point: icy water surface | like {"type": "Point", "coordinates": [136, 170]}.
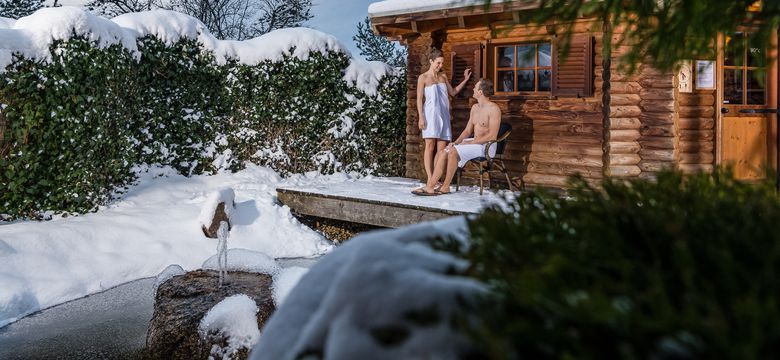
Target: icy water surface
{"type": "Point", "coordinates": [107, 325]}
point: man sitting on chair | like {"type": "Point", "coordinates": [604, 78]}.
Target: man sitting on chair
{"type": "Point", "coordinates": [484, 122]}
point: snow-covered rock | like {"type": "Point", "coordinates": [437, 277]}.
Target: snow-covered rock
{"type": "Point", "coordinates": [372, 286]}
{"type": "Point", "coordinates": [167, 273]}
{"type": "Point", "coordinates": [218, 207]}
{"type": "Point", "coordinates": [234, 320]}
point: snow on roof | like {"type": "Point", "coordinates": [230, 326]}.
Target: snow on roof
{"type": "Point", "coordinates": [32, 35]}
{"type": "Point", "coordinates": [398, 7]}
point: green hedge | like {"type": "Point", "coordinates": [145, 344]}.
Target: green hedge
{"type": "Point", "coordinates": [77, 125]}
{"type": "Point", "coordinates": [681, 268]}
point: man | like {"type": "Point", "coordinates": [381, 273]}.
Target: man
{"type": "Point", "coordinates": [484, 121]}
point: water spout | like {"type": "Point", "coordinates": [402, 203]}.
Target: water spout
{"type": "Point", "coordinates": [222, 235]}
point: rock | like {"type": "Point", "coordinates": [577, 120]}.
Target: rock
{"type": "Point", "coordinates": [219, 216]}
{"type": "Point", "coordinates": [183, 301]}
{"type": "Point", "coordinates": [218, 207]}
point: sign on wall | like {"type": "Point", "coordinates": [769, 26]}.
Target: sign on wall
{"type": "Point", "coordinates": [705, 74]}
{"type": "Point", "coordinates": [685, 77]}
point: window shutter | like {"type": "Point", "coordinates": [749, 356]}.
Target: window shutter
{"type": "Point", "coordinates": [573, 76]}
{"type": "Point", "coordinates": [466, 56]}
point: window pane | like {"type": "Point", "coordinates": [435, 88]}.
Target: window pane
{"type": "Point", "coordinates": [506, 56]}
{"type": "Point", "coordinates": [545, 55]}
{"type": "Point", "coordinates": [545, 76]}
{"type": "Point", "coordinates": [506, 81]}
{"type": "Point", "coordinates": [525, 80]}
{"type": "Point", "coordinates": [756, 56]}
{"type": "Point", "coordinates": [526, 56]}
{"type": "Point", "coordinates": [735, 49]}
{"type": "Point", "coordinates": [755, 87]}
{"type": "Point", "coordinates": [732, 83]}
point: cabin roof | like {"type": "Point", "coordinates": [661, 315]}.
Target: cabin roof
{"type": "Point", "coordinates": [400, 18]}
{"type": "Point", "coordinates": [400, 7]}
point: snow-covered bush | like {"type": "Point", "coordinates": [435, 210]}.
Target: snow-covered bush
{"type": "Point", "coordinates": [86, 100]}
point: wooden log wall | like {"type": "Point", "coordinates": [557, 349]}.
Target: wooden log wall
{"type": "Point", "coordinates": [651, 125]}
{"type": "Point", "coordinates": [697, 131]}
{"type": "Point", "coordinates": [552, 139]}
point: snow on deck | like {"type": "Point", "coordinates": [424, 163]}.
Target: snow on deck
{"type": "Point", "coordinates": [399, 191]}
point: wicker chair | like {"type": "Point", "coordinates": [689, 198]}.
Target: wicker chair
{"type": "Point", "coordinates": [486, 164]}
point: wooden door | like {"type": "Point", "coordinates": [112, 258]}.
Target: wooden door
{"type": "Point", "coordinates": [748, 97]}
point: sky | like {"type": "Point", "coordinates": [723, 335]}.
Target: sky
{"type": "Point", "coordinates": [335, 17]}
{"type": "Point", "coordinates": [340, 18]}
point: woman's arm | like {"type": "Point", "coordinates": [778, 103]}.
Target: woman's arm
{"type": "Point", "coordinates": [457, 89]}
{"type": "Point", "coordinates": [420, 94]}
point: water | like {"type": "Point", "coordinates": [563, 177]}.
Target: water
{"type": "Point", "coordinates": [107, 325]}
{"type": "Point", "coordinates": [222, 235]}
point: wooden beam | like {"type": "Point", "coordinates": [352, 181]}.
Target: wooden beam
{"type": "Point", "coordinates": [362, 211]}
{"type": "Point", "coordinates": [461, 22]}
{"type": "Point", "coordinates": [414, 26]}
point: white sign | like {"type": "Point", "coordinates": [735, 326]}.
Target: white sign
{"type": "Point", "coordinates": [705, 74]}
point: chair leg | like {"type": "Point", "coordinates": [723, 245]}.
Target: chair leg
{"type": "Point", "coordinates": [508, 181]}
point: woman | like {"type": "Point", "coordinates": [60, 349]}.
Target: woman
{"type": "Point", "coordinates": [434, 116]}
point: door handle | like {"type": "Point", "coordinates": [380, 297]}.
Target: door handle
{"type": "Point", "coordinates": [724, 110]}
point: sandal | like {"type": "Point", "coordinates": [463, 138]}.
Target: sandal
{"type": "Point", "coordinates": [422, 192]}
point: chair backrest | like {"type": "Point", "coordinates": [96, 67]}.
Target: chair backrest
{"type": "Point", "coordinates": [503, 133]}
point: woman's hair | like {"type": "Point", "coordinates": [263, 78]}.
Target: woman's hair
{"type": "Point", "coordinates": [434, 54]}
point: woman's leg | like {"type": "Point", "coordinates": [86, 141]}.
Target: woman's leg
{"type": "Point", "coordinates": [430, 144]}
{"type": "Point", "coordinates": [440, 146]}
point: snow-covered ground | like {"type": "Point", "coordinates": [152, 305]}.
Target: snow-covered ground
{"type": "Point", "coordinates": [154, 225]}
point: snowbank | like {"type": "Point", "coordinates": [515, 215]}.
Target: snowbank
{"type": "Point", "coordinates": [285, 280]}
{"type": "Point", "coordinates": [398, 7]}
{"type": "Point", "coordinates": [234, 318]}
{"type": "Point", "coordinates": [365, 75]}
{"type": "Point", "coordinates": [375, 281]}
{"type": "Point", "coordinates": [32, 35]}
{"type": "Point", "coordinates": [6, 23]}
{"type": "Point", "coordinates": [155, 224]}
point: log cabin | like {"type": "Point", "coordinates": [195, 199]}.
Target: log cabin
{"type": "Point", "coordinates": [565, 120]}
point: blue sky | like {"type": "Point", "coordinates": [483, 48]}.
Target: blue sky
{"type": "Point", "coordinates": [340, 18]}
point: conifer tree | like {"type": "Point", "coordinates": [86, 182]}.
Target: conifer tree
{"type": "Point", "coordinates": [377, 48]}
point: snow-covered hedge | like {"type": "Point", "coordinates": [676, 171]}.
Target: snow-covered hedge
{"type": "Point", "coordinates": [85, 99]}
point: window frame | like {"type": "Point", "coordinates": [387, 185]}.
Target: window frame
{"type": "Point", "coordinates": [743, 69]}
{"type": "Point", "coordinates": [536, 68]}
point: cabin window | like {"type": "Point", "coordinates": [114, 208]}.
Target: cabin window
{"type": "Point", "coordinates": [744, 72]}
{"type": "Point", "coordinates": [522, 68]}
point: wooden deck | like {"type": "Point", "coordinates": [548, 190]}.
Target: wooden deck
{"type": "Point", "coordinates": [385, 202]}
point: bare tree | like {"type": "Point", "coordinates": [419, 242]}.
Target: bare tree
{"type": "Point", "coordinates": [226, 19]}
{"type": "Point", "coordinates": [19, 8]}
{"type": "Point", "coordinates": [278, 14]}
{"type": "Point", "coordinates": [111, 8]}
